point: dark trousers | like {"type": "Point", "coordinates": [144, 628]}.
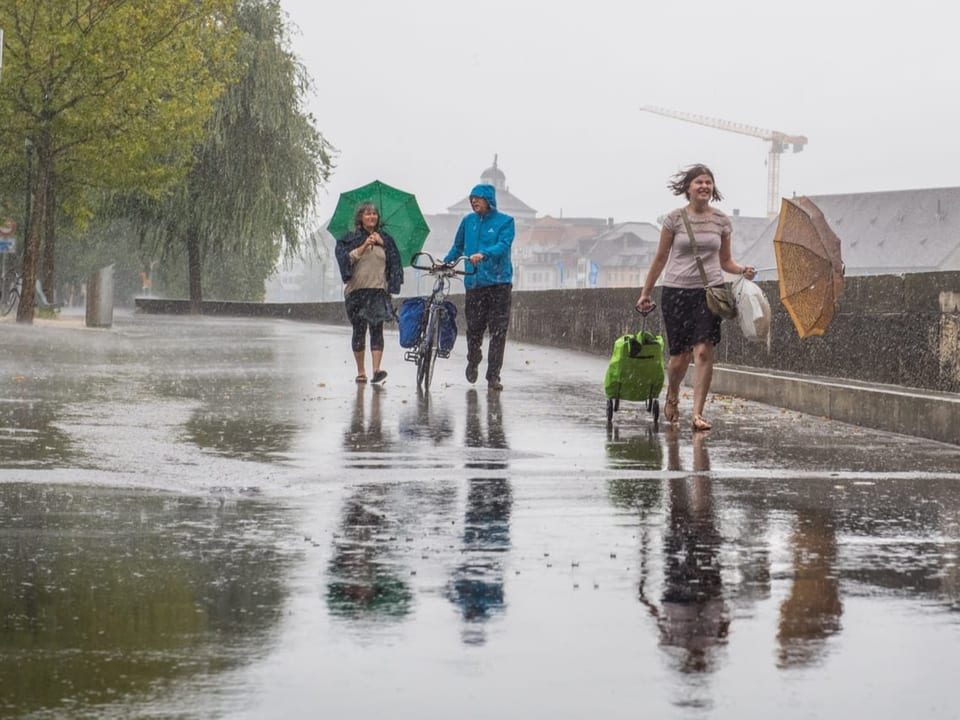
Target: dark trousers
{"type": "Point", "coordinates": [488, 308]}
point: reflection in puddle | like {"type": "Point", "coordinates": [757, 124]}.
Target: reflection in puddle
{"type": "Point", "coordinates": [428, 421]}
{"type": "Point", "coordinates": [32, 412]}
{"type": "Point", "coordinates": [477, 586]}
{"type": "Point", "coordinates": [105, 596]}
{"type": "Point", "coordinates": [692, 614]}
{"type": "Point", "coordinates": [811, 613]}
{"type": "Point", "coordinates": [364, 574]}
{"type": "Point", "coordinates": [641, 451]}
{"type": "Point", "coordinates": [365, 433]}
{"type": "Point", "coordinates": [247, 437]}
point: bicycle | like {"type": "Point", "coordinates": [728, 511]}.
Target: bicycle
{"type": "Point", "coordinates": [10, 288]}
{"type": "Point", "coordinates": [427, 348]}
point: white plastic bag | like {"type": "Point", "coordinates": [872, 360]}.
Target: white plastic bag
{"type": "Point", "coordinates": [753, 309]}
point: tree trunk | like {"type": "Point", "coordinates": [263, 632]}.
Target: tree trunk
{"type": "Point", "coordinates": [49, 243]}
{"type": "Point", "coordinates": [194, 269]}
{"type": "Point", "coordinates": [31, 252]}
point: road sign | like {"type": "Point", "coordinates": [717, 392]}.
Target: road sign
{"type": "Point", "coordinates": [8, 244]}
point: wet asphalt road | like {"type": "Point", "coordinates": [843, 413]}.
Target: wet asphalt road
{"type": "Point", "coordinates": [207, 518]}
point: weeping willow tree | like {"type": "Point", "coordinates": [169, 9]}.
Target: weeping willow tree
{"type": "Point", "coordinates": [252, 188]}
{"type": "Point", "coordinates": [101, 95]}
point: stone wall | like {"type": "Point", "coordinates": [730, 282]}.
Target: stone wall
{"type": "Point", "coordinates": [893, 329]}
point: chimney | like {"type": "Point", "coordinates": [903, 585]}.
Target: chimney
{"type": "Point", "coordinates": [609, 222]}
{"type": "Point", "coordinates": [736, 212]}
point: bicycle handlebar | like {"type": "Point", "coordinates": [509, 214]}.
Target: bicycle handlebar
{"type": "Point", "coordinates": [445, 269]}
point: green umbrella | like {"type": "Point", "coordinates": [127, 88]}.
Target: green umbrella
{"type": "Point", "coordinates": [400, 216]}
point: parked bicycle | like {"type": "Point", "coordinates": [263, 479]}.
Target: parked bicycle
{"type": "Point", "coordinates": [10, 286]}
{"type": "Point", "coordinates": [436, 314]}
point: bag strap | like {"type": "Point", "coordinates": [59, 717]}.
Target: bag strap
{"type": "Point", "coordinates": [693, 244]}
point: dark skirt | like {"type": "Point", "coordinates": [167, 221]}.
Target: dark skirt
{"type": "Point", "coordinates": [371, 306]}
{"type": "Point", "coordinates": [687, 319]}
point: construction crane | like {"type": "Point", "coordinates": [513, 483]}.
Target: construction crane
{"type": "Point", "coordinates": [779, 141]}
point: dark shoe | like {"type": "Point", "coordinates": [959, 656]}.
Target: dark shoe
{"type": "Point", "coordinates": [471, 372]}
{"type": "Point", "coordinates": [494, 385]}
{"type": "Point", "coordinates": [379, 376]}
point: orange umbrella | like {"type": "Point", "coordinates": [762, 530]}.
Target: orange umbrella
{"type": "Point", "coordinates": [808, 265]}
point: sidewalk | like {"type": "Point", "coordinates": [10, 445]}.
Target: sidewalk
{"type": "Point", "coordinates": [894, 408]}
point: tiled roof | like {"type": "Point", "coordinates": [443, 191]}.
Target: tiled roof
{"type": "Point", "coordinates": [884, 232]}
{"type": "Point", "coordinates": [746, 231]}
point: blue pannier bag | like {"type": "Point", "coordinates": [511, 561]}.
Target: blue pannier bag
{"type": "Point", "coordinates": [411, 316]}
{"type": "Point", "coordinates": [448, 327]}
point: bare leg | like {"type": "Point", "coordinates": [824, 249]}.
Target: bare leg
{"type": "Point", "coordinates": [703, 366]}
{"type": "Point", "coordinates": [377, 356]}
{"type": "Point", "coordinates": [359, 358]}
{"type": "Point", "coordinates": [676, 370]}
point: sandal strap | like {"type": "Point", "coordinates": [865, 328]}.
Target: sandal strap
{"type": "Point", "coordinates": [699, 423]}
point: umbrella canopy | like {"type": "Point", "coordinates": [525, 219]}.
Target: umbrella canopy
{"type": "Point", "coordinates": [809, 266]}
{"type": "Point", "coordinates": [400, 216]}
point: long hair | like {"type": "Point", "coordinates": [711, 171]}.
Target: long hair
{"type": "Point", "coordinates": [680, 181]}
{"type": "Point", "coordinates": [358, 215]}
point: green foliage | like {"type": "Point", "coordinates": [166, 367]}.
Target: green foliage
{"type": "Point", "coordinates": [104, 94]}
{"type": "Point", "coordinates": [188, 113]}
{"type": "Point", "coordinates": [114, 94]}
{"type": "Point", "coordinates": [84, 251]}
{"type": "Point", "coordinates": [251, 190]}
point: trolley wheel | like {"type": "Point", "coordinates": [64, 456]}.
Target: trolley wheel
{"type": "Point", "coordinates": [609, 411]}
{"type": "Point", "coordinates": [656, 411]}
{"type": "Point", "coordinates": [616, 403]}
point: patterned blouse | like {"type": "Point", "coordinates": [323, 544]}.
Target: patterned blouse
{"type": "Point", "coordinates": [681, 270]}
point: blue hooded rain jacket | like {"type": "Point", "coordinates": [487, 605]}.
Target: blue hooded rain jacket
{"type": "Point", "coordinates": [490, 234]}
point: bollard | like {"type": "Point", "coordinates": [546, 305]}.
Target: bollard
{"type": "Point", "coordinates": [99, 311]}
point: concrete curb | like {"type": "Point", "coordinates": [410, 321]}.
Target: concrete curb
{"type": "Point", "coordinates": [907, 411]}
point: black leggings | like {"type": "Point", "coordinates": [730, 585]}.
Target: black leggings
{"type": "Point", "coordinates": [359, 304]}
{"type": "Point", "coordinates": [358, 341]}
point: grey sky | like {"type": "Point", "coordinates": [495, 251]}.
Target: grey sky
{"type": "Point", "coordinates": [422, 94]}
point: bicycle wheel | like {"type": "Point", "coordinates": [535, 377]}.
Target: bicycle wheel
{"type": "Point", "coordinates": [434, 349]}
{"type": "Point", "coordinates": [428, 351]}
{"type": "Point", "coordinates": [425, 354]}
{"type": "Point", "coordinates": [11, 298]}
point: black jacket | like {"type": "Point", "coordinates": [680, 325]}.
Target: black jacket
{"type": "Point", "coordinates": [355, 239]}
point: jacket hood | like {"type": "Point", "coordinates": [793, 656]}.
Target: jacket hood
{"type": "Point", "coordinates": [487, 192]}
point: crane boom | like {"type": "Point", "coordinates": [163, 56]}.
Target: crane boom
{"type": "Point", "coordinates": [778, 142]}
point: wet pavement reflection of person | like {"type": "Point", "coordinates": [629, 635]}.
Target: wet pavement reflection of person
{"type": "Point", "coordinates": [364, 579]}
{"type": "Point", "coordinates": [477, 583]}
{"type": "Point", "coordinates": [811, 613]}
{"type": "Point", "coordinates": [692, 617]}
{"type": "Point", "coordinates": [427, 421]}
{"type": "Point", "coordinates": [365, 432]}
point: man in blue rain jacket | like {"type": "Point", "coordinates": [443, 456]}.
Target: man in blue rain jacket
{"type": "Point", "coordinates": [486, 237]}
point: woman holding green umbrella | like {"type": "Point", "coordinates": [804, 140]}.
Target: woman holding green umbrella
{"type": "Point", "coordinates": [371, 270]}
